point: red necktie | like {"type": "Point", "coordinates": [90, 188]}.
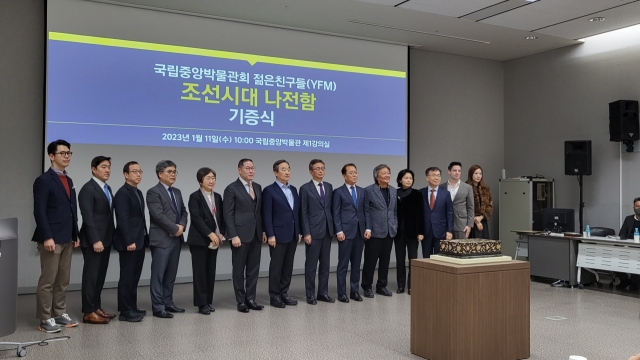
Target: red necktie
{"type": "Point", "coordinates": [432, 202]}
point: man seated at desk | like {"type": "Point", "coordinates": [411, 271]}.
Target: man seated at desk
{"type": "Point", "coordinates": [629, 226]}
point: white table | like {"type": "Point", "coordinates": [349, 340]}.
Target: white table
{"type": "Point", "coordinates": [602, 253]}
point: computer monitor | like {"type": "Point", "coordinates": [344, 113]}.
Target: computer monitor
{"type": "Point", "coordinates": [558, 220]}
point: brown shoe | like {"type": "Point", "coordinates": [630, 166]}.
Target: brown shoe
{"type": "Point", "coordinates": [101, 312]}
{"type": "Point", "coordinates": [94, 318]}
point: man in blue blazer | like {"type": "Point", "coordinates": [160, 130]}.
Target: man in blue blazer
{"type": "Point", "coordinates": [168, 219]}
{"type": "Point", "coordinates": [55, 210]}
{"type": "Point", "coordinates": [349, 225]}
{"type": "Point", "coordinates": [317, 228]}
{"type": "Point", "coordinates": [280, 217]}
{"type": "Point", "coordinates": [438, 213]}
{"type": "Point", "coordinates": [130, 239]}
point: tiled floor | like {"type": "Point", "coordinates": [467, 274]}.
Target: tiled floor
{"type": "Point", "coordinates": [599, 325]}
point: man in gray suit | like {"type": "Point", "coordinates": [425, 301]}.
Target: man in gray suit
{"type": "Point", "coordinates": [317, 228]}
{"type": "Point", "coordinates": [242, 203]}
{"type": "Point", "coordinates": [380, 212]}
{"type": "Point", "coordinates": [168, 218]}
{"type": "Point", "coordinates": [462, 197]}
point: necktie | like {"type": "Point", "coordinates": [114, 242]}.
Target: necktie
{"type": "Point", "coordinates": [353, 196]}
{"type": "Point", "coordinates": [106, 192]}
{"type": "Point", "coordinates": [432, 201]}
{"type": "Point", "coordinates": [175, 205]}
{"type": "Point", "coordinates": [251, 193]}
{"type": "Point", "coordinates": [321, 193]}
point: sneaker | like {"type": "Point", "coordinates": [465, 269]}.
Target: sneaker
{"type": "Point", "coordinates": [65, 321]}
{"type": "Point", "coordinates": [49, 326]}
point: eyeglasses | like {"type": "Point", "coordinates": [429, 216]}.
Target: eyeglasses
{"type": "Point", "coordinates": [136, 172]}
{"type": "Point", "coordinates": [435, 175]}
{"type": "Point", "coordinates": [209, 178]}
{"type": "Point", "coordinates": [171, 172]}
{"type": "Point", "coordinates": [252, 168]}
{"type": "Point", "coordinates": [64, 153]}
{"type": "Point", "coordinates": [318, 169]}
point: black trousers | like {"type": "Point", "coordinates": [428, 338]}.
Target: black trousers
{"type": "Point", "coordinates": [130, 269]}
{"type": "Point", "coordinates": [319, 250]}
{"type": "Point", "coordinates": [349, 251]}
{"type": "Point", "coordinates": [405, 246]}
{"type": "Point", "coordinates": [430, 245]}
{"type": "Point", "coordinates": [94, 271]}
{"type": "Point", "coordinates": [246, 256]}
{"type": "Point", "coordinates": [281, 268]}
{"type": "Point", "coordinates": [203, 265]}
{"type": "Point", "coordinates": [376, 251]}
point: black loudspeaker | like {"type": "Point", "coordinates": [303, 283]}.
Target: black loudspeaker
{"type": "Point", "coordinates": [577, 157]}
{"type": "Point", "coordinates": [623, 121]}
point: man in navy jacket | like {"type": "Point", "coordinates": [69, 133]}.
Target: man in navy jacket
{"type": "Point", "coordinates": [438, 213]}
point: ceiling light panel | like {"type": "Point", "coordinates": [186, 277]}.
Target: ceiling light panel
{"type": "Point", "coordinates": [454, 8]}
{"type": "Point", "coordinates": [616, 18]}
{"type": "Point", "coordinates": [382, 2]}
{"type": "Point", "coordinates": [542, 14]}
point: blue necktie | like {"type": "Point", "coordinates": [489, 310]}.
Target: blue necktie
{"type": "Point", "coordinates": [353, 196]}
{"type": "Point", "coordinates": [175, 206]}
{"type": "Point", "coordinates": [321, 193]}
{"type": "Point", "coordinates": [106, 192]}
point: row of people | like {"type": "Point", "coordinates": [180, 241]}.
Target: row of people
{"type": "Point", "coordinates": [377, 216]}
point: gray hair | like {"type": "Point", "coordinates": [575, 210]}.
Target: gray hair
{"type": "Point", "coordinates": [377, 169]}
{"type": "Point", "coordinates": [163, 165]}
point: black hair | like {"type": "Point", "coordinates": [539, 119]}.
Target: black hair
{"type": "Point", "coordinates": [402, 173]}
{"type": "Point", "coordinates": [454, 163]}
{"type": "Point", "coordinates": [313, 162]}
{"type": "Point", "coordinates": [344, 168]}
{"type": "Point", "coordinates": [98, 160]}
{"type": "Point", "coordinates": [433, 168]}
{"type": "Point", "coordinates": [202, 172]}
{"type": "Point", "coordinates": [127, 166]}
{"type": "Point", "coordinates": [53, 146]}
{"type": "Point", "coordinates": [276, 164]}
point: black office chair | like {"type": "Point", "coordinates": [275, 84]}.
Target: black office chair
{"type": "Point", "coordinates": [602, 232]}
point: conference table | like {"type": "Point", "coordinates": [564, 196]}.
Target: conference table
{"type": "Point", "coordinates": [607, 254]}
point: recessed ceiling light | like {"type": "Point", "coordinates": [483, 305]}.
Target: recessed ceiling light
{"type": "Point", "coordinates": [531, 37]}
{"type": "Point", "coordinates": [596, 19]}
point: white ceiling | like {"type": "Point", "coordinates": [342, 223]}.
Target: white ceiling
{"type": "Point", "coordinates": [497, 30]}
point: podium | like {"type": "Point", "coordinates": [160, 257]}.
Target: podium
{"type": "Point", "coordinates": [462, 312]}
{"type": "Point", "coordinates": [8, 275]}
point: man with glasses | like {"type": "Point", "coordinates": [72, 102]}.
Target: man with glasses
{"type": "Point", "coordinates": [438, 213]}
{"type": "Point", "coordinates": [168, 219]}
{"type": "Point", "coordinates": [317, 229]}
{"type": "Point", "coordinates": [242, 203]}
{"type": "Point", "coordinates": [130, 240]}
{"type": "Point", "coordinates": [56, 214]}
{"type": "Point", "coordinates": [96, 236]}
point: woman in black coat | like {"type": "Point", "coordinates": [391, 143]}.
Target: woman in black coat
{"type": "Point", "coordinates": [205, 235]}
{"type": "Point", "coordinates": [410, 226]}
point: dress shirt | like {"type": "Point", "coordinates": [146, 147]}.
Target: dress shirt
{"type": "Point", "coordinates": [102, 184]}
{"type": "Point", "coordinates": [246, 185]}
{"type": "Point", "coordinates": [316, 183]}
{"type": "Point", "coordinates": [452, 189]}
{"type": "Point", "coordinates": [435, 193]}
{"type": "Point", "coordinates": [287, 192]}
{"type": "Point", "coordinates": [64, 172]}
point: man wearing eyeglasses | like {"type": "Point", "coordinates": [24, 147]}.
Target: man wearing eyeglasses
{"type": "Point", "coordinates": [168, 219]}
{"type": "Point", "coordinates": [56, 214]}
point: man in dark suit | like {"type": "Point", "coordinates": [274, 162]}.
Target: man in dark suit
{"type": "Point", "coordinates": [317, 228]}
{"type": "Point", "coordinates": [349, 225]}
{"type": "Point", "coordinates": [381, 216]}
{"type": "Point", "coordinates": [438, 213]}
{"type": "Point", "coordinates": [130, 239]}
{"type": "Point", "coordinates": [168, 217]}
{"type": "Point", "coordinates": [629, 226]}
{"type": "Point", "coordinates": [242, 203]}
{"type": "Point", "coordinates": [56, 213]}
{"type": "Point", "coordinates": [96, 236]}
{"type": "Point", "coordinates": [280, 214]}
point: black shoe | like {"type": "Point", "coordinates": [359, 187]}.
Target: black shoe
{"type": "Point", "coordinates": [204, 310]}
{"type": "Point", "coordinates": [311, 301]}
{"type": "Point", "coordinates": [277, 303]}
{"type": "Point", "coordinates": [343, 298]}
{"type": "Point", "coordinates": [163, 314]}
{"type": "Point", "coordinates": [211, 308]}
{"type": "Point", "coordinates": [409, 292]}
{"type": "Point", "coordinates": [289, 301]}
{"type": "Point", "coordinates": [326, 298]}
{"type": "Point", "coordinates": [383, 291]}
{"type": "Point", "coordinates": [355, 296]}
{"type": "Point", "coordinates": [130, 316]}
{"type": "Point", "coordinates": [174, 309]}
{"type": "Point", "coordinates": [242, 307]}
{"type": "Point", "coordinates": [400, 290]}
{"type": "Point", "coordinates": [368, 293]}
{"type": "Point", "coordinates": [251, 304]}
{"type": "Point", "coordinates": [140, 311]}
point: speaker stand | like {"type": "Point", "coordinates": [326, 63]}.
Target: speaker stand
{"type": "Point", "coordinates": [580, 211]}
